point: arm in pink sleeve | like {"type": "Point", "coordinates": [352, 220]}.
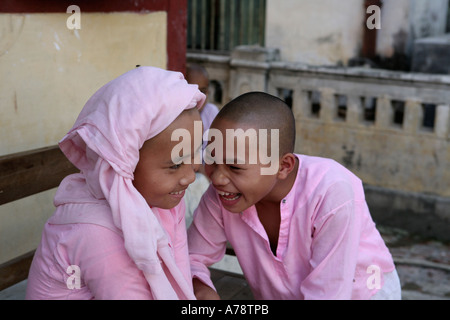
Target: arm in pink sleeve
{"type": "Point", "coordinates": [206, 237]}
{"type": "Point", "coordinates": [334, 247]}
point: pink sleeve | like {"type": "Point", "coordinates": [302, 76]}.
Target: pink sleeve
{"type": "Point", "coordinates": [106, 268]}
{"type": "Point", "coordinates": [206, 237]}
{"type": "Point", "coordinates": [334, 247]}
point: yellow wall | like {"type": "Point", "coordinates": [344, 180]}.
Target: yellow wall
{"type": "Point", "coordinates": [47, 73]}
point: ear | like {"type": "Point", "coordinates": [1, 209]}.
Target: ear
{"type": "Point", "coordinates": [287, 164]}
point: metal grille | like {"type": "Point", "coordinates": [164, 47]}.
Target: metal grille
{"type": "Point", "coordinates": [221, 25]}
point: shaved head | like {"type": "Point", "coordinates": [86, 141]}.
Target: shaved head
{"type": "Point", "coordinates": [260, 110]}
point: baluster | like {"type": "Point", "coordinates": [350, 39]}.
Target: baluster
{"type": "Point", "coordinates": [413, 116]}
{"type": "Point", "coordinates": [384, 113]}
{"type": "Point", "coordinates": [442, 121]}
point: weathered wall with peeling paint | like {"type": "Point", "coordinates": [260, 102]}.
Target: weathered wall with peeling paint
{"type": "Point", "coordinates": [320, 32]}
{"type": "Point", "coordinates": [329, 32]}
{"type": "Point", "coordinates": [404, 21]}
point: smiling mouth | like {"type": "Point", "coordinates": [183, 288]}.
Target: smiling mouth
{"type": "Point", "coordinates": [177, 193]}
{"type": "Point", "coordinates": [228, 196]}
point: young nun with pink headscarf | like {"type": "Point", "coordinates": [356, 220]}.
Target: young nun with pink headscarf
{"type": "Point", "coordinates": [118, 231]}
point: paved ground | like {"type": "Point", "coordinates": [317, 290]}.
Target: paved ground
{"type": "Point", "coordinates": [423, 268]}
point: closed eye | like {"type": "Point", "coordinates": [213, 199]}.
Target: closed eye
{"type": "Point", "coordinates": [175, 166]}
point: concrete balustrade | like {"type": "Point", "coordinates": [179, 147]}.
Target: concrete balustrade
{"type": "Point", "coordinates": [389, 128]}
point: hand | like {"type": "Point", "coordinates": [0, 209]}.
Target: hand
{"type": "Point", "coordinates": [204, 292]}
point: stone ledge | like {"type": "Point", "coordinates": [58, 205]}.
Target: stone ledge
{"type": "Point", "coordinates": [426, 216]}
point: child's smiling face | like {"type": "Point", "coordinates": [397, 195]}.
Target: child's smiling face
{"type": "Point", "coordinates": [160, 181]}
{"type": "Point", "coordinates": [239, 185]}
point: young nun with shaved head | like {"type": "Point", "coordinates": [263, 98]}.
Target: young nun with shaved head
{"type": "Point", "coordinates": [301, 231]}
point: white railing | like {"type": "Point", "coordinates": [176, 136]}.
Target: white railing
{"type": "Point", "coordinates": [390, 128]}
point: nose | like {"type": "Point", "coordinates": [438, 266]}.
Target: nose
{"type": "Point", "coordinates": [189, 175]}
{"type": "Point", "coordinates": [217, 176]}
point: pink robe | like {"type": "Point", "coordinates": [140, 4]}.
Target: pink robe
{"type": "Point", "coordinates": [328, 246]}
{"type": "Point", "coordinates": [97, 248]}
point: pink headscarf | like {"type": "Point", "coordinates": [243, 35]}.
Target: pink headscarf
{"type": "Point", "coordinates": [104, 144]}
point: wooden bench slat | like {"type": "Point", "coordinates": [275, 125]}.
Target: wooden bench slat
{"type": "Point", "coordinates": [26, 173]}
{"type": "Point", "coordinates": [15, 270]}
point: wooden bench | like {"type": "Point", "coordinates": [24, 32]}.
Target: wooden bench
{"type": "Point", "coordinates": [21, 175]}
